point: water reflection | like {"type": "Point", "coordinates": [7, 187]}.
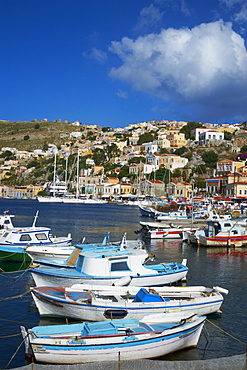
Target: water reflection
{"type": "Point", "coordinates": [207, 266]}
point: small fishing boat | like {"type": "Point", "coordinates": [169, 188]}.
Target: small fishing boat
{"type": "Point", "coordinates": [88, 302]}
{"type": "Point", "coordinates": [172, 215]}
{"type": "Point", "coordinates": [39, 253]}
{"type": "Point", "coordinates": [147, 211]}
{"type": "Point", "coordinates": [160, 230]}
{"type": "Point", "coordinates": [14, 241]}
{"type": "Point", "coordinates": [219, 233]}
{"type": "Point", "coordinates": [151, 337]}
{"type": "Point", "coordinates": [108, 264]}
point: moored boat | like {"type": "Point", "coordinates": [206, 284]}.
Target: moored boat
{"type": "Point", "coordinates": [99, 303]}
{"type": "Point", "coordinates": [219, 233]}
{"type": "Point", "coordinates": [160, 230]}
{"type": "Point", "coordinates": [151, 337]}
{"type": "Point", "coordinates": [108, 265]}
{"type": "Point", "coordinates": [14, 241]}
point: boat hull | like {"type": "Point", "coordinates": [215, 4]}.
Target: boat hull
{"type": "Point", "coordinates": [224, 241]}
{"type": "Point", "coordinates": [53, 302]}
{"type": "Point", "coordinates": [117, 347]}
{"type": "Point", "coordinates": [48, 279]}
{"type": "Point", "coordinates": [14, 256]}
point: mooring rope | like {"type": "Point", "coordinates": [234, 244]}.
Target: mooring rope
{"type": "Point", "coordinates": [16, 296]}
{"type": "Point", "coordinates": [14, 278]}
{"type": "Point", "coordinates": [18, 322]}
{"type": "Point", "coordinates": [225, 332]}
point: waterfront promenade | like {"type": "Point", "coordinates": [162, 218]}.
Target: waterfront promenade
{"type": "Point", "coordinates": [238, 362]}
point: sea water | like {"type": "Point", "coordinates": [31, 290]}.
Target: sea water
{"type": "Point", "coordinates": [224, 334]}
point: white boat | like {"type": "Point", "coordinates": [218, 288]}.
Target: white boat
{"type": "Point", "coordinates": [88, 302]}
{"type": "Point", "coordinates": [6, 222]}
{"type": "Point", "coordinates": [108, 265]}
{"type": "Point", "coordinates": [172, 215]}
{"type": "Point", "coordinates": [63, 253]}
{"type": "Point", "coordinates": [49, 199]}
{"type": "Point", "coordinates": [160, 230]}
{"type": "Point", "coordinates": [151, 337]}
{"type": "Point", "coordinates": [147, 211]}
{"type": "Point", "coordinates": [83, 200]}
{"type": "Point", "coordinates": [219, 233]}
{"type": "Point", "coordinates": [14, 241]}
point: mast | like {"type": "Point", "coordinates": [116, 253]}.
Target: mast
{"type": "Point", "coordinates": [54, 174]}
{"type": "Point", "coordinates": [77, 175]}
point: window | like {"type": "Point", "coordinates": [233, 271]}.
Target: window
{"type": "Point", "coordinates": [41, 236]}
{"type": "Point", "coordinates": [25, 237]}
{"type": "Point", "coordinates": [120, 266]}
{"type": "Point", "coordinates": [79, 263]}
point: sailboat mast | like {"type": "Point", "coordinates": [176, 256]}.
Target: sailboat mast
{"type": "Point", "coordinates": [77, 176]}
{"type": "Point", "coordinates": [54, 174]}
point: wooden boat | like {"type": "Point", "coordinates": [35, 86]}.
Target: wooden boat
{"type": "Point", "coordinates": [108, 264]}
{"type": "Point", "coordinates": [99, 303]}
{"type": "Point", "coordinates": [220, 233]}
{"type": "Point", "coordinates": [151, 337]}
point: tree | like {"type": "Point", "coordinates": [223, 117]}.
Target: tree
{"type": "Point", "coordinates": [26, 137]}
{"type": "Point", "coordinates": [190, 126]}
{"type": "Point", "coordinates": [137, 160]}
{"type": "Point", "coordinates": [162, 174]}
{"type": "Point", "coordinates": [112, 150]}
{"type": "Point", "coordinates": [180, 151]}
{"type": "Point", "coordinates": [6, 154]}
{"type": "Point", "coordinates": [106, 129]}
{"type": "Point", "coordinates": [227, 135]}
{"type": "Point", "coordinates": [147, 137]}
{"type": "Point", "coordinates": [124, 172]}
{"type": "Point", "coordinates": [176, 173]}
{"type": "Point", "coordinates": [99, 156]}
{"type": "Point", "coordinates": [164, 151]}
{"type": "Point", "coordinates": [210, 158]}
{"type": "Point", "coordinates": [243, 149]}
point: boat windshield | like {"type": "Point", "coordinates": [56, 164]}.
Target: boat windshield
{"type": "Point", "coordinates": [41, 236]}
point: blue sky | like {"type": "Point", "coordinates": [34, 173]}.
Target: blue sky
{"type": "Point", "coordinates": [113, 63]}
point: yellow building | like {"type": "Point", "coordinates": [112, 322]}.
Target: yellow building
{"type": "Point", "coordinates": [177, 139]}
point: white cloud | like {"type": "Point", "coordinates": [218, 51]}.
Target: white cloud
{"type": "Point", "coordinates": [241, 16]}
{"type": "Point", "coordinates": [149, 16]}
{"type": "Point", "coordinates": [205, 67]}
{"type": "Point", "coordinates": [122, 94]}
{"type": "Point", "coordinates": [96, 54]}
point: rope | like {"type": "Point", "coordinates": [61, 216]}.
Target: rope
{"type": "Point", "coordinates": [9, 336]}
{"type": "Point", "coordinates": [23, 340]}
{"type": "Point", "coordinates": [16, 296]}
{"type": "Point", "coordinates": [6, 274]}
{"type": "Point", "coordinates": [225, 332]}
{"type": "Point", "coordinates": [18, 322]}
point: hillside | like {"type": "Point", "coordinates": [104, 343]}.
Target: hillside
{"type": "Point", "coordinates": [32, 135]}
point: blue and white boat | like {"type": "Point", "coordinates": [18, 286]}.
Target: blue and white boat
{"type": "Point", "coordinates": [88, 302]}
{"type": "Point", "coordinates": [151, 337]}
{"type": "Point", "coordinates": [63, 253]}
{"type": "Point", "coordinates": [107, 265]}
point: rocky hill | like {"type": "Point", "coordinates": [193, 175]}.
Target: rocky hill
{"type": "Point", "coordinates": [30, 135]}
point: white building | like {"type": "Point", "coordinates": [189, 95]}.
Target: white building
{"type": "Point", "coordinates": [209, 135]}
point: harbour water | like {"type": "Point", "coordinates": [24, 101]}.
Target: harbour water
{"type": "Point", "coordinates": [224, 335]}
